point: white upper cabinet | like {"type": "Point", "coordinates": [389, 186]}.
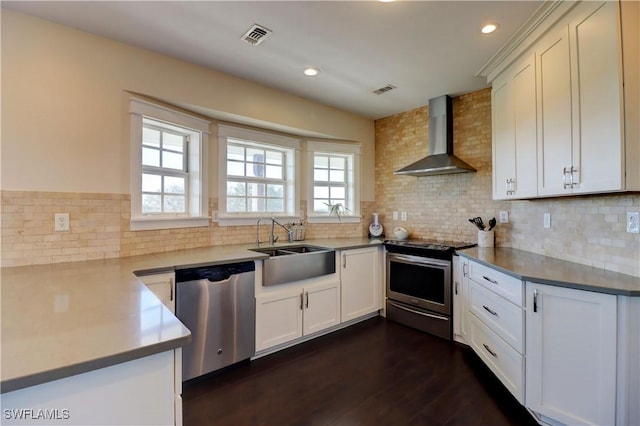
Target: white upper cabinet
{"type": "Point", "coordinates": [581, 142]}
{"type": "Point", "coordinates": [596, 76]}
{"type": "Point", "coordinates": [554, 109]}
{"type": "Point", "coordinates": [559, 107]}
{"type": "Point", "coordinates": [514, 136]}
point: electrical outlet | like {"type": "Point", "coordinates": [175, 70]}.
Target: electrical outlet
{"type": "Point", "coordinates": [395, 215]}
{"type": "Point", "coordinates": [633, 222]}
{"type": "Point", "coordinates": [547, 220]}
{"type": "Point", "coordinates": [61, 221]}
{"type": "Point", "coordinates": [504, 216]}
{"type": "Point", "coordinates": [403, 215]}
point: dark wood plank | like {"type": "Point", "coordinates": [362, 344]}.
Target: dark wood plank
{"type": "Point", "coordinates": [373, 373]}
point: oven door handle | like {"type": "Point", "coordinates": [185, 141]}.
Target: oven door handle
{"type": "Point", "coordinates": [418, 260]}
{"type": "Point", "coordinates": [424, 314]}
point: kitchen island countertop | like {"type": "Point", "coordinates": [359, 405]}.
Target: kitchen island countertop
{"type": "Point", "coordinates": [63, 319]}
{"type": "Point", "coordinates": [527, 266]}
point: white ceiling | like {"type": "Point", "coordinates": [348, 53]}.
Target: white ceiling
{"type": "Point", "coordinates": [424, 48]}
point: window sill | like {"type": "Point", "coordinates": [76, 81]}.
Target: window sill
{"type": "Point", "coordinates": [151, 223]}
{"type": "Point", "coordinates": [252, 221]}
{"type": "Point", "coordinates": [334, 219]}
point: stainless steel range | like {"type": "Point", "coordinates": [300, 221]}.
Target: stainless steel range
{"type": "Point", "coordinates": [419, 290]}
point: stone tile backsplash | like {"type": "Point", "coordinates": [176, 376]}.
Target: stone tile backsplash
{"type": "Point", "coordinates": [590, 230]}
{"type": "Point", "coordinates": [99, 229]}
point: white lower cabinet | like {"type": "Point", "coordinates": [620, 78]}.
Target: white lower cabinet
{"type": "Point", "coordinates": [460, 299]}
{"type": "Point", "coordinates": [144, 391]}
{"type": "Point", "coordinates": [361, 282]}
{"type": "Point", "coordinates": [496, 324]}
{"type": "Point", "coordinates": [571, 355]}
{"type": "Point", "coordinates": [163, 285]}
{"type": "Point", "coordinates": [287, 314]}
{"type": "Point", "coordinates": [505, 362]}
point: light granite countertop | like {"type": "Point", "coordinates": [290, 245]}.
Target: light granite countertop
{"type": "Point", "coordinates": [63, 319]}
{"type": "Point", "coordinates": [528, 266]}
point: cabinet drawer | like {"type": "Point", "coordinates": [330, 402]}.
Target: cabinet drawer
{"type": "Point", "coordinates": [500, 315]}
{"type": "Point", "coordinates": [502, 359]}
{"type": "Point", "coordinates": [505, 285]}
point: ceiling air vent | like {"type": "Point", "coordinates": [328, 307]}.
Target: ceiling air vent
{"type": "Point", "coordinates": [256, 34]}
{"type": "Point", "coordinates": [384, 89]}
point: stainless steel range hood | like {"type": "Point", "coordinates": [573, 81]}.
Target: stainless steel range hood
{"type": "Point", "coordinates": [440, 160]}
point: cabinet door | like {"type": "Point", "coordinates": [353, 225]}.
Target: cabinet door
{"type": "Point", "coordinates": [361, 285]}
{"type": "Point", "coordinates": [554, 112]}
{"type": "Point", "coordinates": [525, 128]}
{"type": "Point", "coordinates": [321, 306]}
{"type": "Point", "coordinates": [163, 286]}
{"type": "Point", "coordinates": [571, 354]}
{"type": "Point", "coordinates": [504, 155]}
{"type": "Point", "coordinates": [597, 103]}
{"type": "Point", "coordinates": [278, 318]}
{"type": "Point", "coordinates": [460, 300]}
{"type": "Point", "coordinates": [515, 133]}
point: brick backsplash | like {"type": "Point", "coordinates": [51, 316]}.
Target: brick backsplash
{"type": "Point", "coordinates": [99, 229]}
{"type": "Point", "coordinates": [587, 229]}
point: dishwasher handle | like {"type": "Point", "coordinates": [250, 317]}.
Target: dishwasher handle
{"type": "Point", "coordinates": [214, 273]}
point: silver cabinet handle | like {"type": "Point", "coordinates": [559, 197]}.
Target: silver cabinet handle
{"type": "Point", "coordinates": [344, 260]}
{"type": "Point", "coordinates": [464, 269]}
{"type": "Point", "coordinates": [456, 287]}
{"type": "Point", "coordinates": [307, 305]}
{"type": "Point", "coordinates": [302, 301]}
{"type": "Point", "coordinates": [535, 300]}
{"type": "Point", "coordinates": [574, 182]}
{"type": "Point", "coordinates": [495, 355]}
{"type": "Point", "coordinates": [490, 280]}
{"type": "Point", "coordinates": [490, 311]}
{"type": "Point", "coordinates": [564, 178]}
{"type": "Point", "coordinates": [171, 289]}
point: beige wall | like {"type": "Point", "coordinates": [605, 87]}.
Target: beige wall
{"type": "Point", "coordinates": [588, 229]}
{"type": "Point", "coordinates": [65, 142]}
{"type": "Point", "coordinates": [64, 107]}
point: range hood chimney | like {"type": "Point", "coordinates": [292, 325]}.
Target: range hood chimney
{"type": "Point", "coordinates": [440, 160]}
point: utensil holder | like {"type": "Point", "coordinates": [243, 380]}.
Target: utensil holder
{"type": "Point", "coordinates": [297, 232]}
{"type": "Point", "coordinates": [486, 238]}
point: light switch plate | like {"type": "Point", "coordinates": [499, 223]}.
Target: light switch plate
{"type": "Point", "coordinates": [395, 215]}
{"type": "Point", "coordinates": [547, 220]}
{"type": "Point", "coordinates": [633, 222]}
{"type": "Point", "coordinates": [504, 216]}
{"type": "Point", "coordinates": [403, 215]}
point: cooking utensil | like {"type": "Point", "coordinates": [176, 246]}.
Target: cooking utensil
{"type": "Point", "coordinates": [492, 223]}
{"type": "Point", "coordinates": [477, 221]}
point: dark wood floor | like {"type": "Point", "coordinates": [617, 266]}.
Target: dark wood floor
{"type": "Point", "coordinates": [373, 373]}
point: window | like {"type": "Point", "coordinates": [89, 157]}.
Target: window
{"type": "Point", "coordinates": [165, 170]}
{"type": "Point", "coordinates": [333, 177]}
{"type": "Point", "coordinates": [168, 168]}
{"type": "Point", "coordinates": [257, 175]}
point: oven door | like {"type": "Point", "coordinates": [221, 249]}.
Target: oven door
{"type": "Point", "coordinates": [419, 281]}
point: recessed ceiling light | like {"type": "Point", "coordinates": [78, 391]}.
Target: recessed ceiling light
{"type": "Point", "coordinates": [310, 72]}
{"type": "Point", "coordinates": [489, 28]}
{"type": "Point", "coordinates": [385, 1]}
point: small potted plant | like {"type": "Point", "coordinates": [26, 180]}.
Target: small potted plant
{"type": "Point", "coordinates": [337, 210]}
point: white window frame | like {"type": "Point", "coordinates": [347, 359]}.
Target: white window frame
{"type": "Point", "coordinates": [198, 156]}
{"type": "Point", "coordinates": [284, 143]}
{"type": "Point", "coordinates": [353, 181]}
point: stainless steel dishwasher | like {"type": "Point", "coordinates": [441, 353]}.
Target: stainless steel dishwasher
{"type": "Point", "coordinates": [217, 304]}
